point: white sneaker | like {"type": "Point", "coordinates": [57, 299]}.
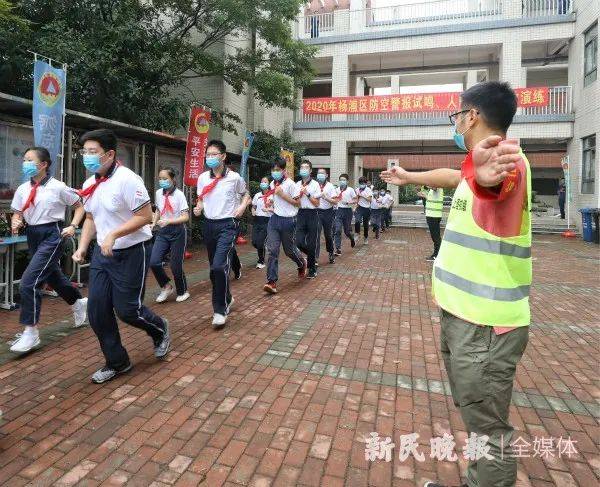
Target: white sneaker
{"type": "Point", "coordinates": [79, 312]}
{"type": "Point", "coordinates": [366, 241]}
{"type": "Point", "coordinates": [218, 321]}
{"type": "Point", "coordinates": [183, 297]}
{"type": "Point", "coordinates": [229, 306]}
{"type": "Point", "coordinates": [165, 292]}
{"type": "Point", "coordinates": [260, 266]}
{"type": "Point", "coordinates": [25, 342]}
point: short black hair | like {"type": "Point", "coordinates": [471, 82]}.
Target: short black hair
{"type": "Point", "coordinates": [105, 137]}
{"type": "Point", "coordinates": [496, 102]}
{"type": "Point", "coordinates": [362, 180]}
{"type": "Point", "coordinates": [278, 162]}
{"type": "Point", "coordinates": [169, 171]}
{"type": "Point", "coordinates": [41, 152]}
{"type": "Point", "coordinates": [218, 144]}
{"type": "Point", "coordinates": [306, 161]}
{"type": "Point", "coordinates": [344, 175]}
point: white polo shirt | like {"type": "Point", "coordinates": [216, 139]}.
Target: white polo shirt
{"type": "Point", "coordinates": [177, 200]}
{"type": "Point", "coordinates": [312, 189]}
{"type": "Point", "coordinates": [52, 197]}
{"type": "Point", "coordinates": [388, 200]}
{"type": "Point", "coordinates": [282, 207]}
{"type": "Point", "coordinates": [225, 197]}
{"type": "Point", "coordinates": [347, 198]}
{"type": "Point", "coordinates": [115, 202]}
{"type": "Point", "coordinates": [258, 202]}
{"type": "Point", "coordinates": [362, 194]}
{"type": "Point", "coordinates": [376, 202]}
{"type": "Point", "coordinates": [328, 190]}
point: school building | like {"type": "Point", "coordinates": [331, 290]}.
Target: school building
{"type": "Point", "coordinates": [383, 47]}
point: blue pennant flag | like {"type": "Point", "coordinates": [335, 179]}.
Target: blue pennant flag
{"type": "Point", "coordinates": [246, 152]}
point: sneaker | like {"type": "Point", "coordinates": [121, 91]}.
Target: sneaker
{"type": "Point", "coordinates": [316, 264]}
{"type": "Point", "coordinates": [218, 321]}
{"type": "Point", "coordinates": [237, 274]}
{"type": "Point", "coordinates": [338, 252]}
{"type": "Point", "coordinates": [366, 242]}
{"type": "Point", "coordinates": [183, 297]}
{"type": "Point", "coordinates": [165, 292]}
{"type": "Point", "coordinates": [108, 373]}
{"type": "Point", "coordinates": [229, 306]}
{"type": "Point", "coordinates": [302, 270]}
{"type": "Point", "coordinates": [332, 258]}
{"type": "Point", "coordinates": [79, 312]}
{"type": "Point", "coordinates": [352, 242]}
{"type": "Point", "coordinates": [431, 258]}
{"type": "Point", "coordinates": [25, 342]}
{"type": "Point", "coordinates": [260, 265]}
{"type": "Point", "coordinates": [311, 274]}
{"type": "Point", "coordinates": [162, 348]}
{"type": "Point", "coordinates": [270, 287]}
{"type": "Point", "coordinates": [435, 484]}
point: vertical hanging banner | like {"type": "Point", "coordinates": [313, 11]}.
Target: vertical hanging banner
{"type": "Point", "coordinates": [288, 156]}
{"type": "Point", "coordinates": [195, 148]}
{"type": "Point", "coordinates": [246, 152]}
{"type": "Point", "coordinates": [49, 88]}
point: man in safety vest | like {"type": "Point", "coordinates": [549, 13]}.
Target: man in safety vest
{"type": "Point", "coordinates": [482, 275]}
{"type": "Point", "coordinates": [434, 205]}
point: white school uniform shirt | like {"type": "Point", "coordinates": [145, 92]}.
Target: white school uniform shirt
{"type": "Point", "coordinates": [376, 202]}
{"type": "Point", "coordinates": [362, 194]}
{"type": "Point", "coordinates": [258, 202]}
{"type": "Point", "coordinates": [114, 202]}
{"type": "Point", "coordinates": [348, 196]}
{"type": "Point", "coordinates": [388, 200]}
{"type": "Point", "coordinates": [330, 191]}
{"type": "Point", "coordinates": [52, 197]}
{"type": "Point", "coordinates": [313, 190]}
{"type": "Point", "coordinates": [282, 207]}
{"type": "Point", "coordinates": [225, 197]}
{"type": "Point", "coordinates": [176, 198]}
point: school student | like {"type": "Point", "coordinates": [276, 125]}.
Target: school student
{"type": "Point", "coordinates": [346, 197]}
{"type": "Point", "coordinates": [118, 214]}
{"type": "Point", "coordinates": [281, 230]}
{"type": "Point", "coordinates": [223, 198]}
{"type": "Point", "coordinates": [307, 230]}
{"type": "Point", "coordinates": [388, 202]}
{"type": "Point", "coordinates": [261, 212]}
{"type": "Point", "coordinates": [42, 202]}
{"type": "Point", "coordinates": [326, 211]}
{"type": "Point", "coordinates": [363, 209]}
{"type": "Point", "coordinates": [171, 215]}
{"type": "Point", "coordinates": [376, 211]}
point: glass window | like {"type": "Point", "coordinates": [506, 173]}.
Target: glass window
{"type": "Point", "coordinates": [13, 142]}
{"type": "Point", "coordinates": [590, 55]}
{"type": "Point", "coordinates": [588, 162]}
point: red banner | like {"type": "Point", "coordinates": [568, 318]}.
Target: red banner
{"type": "Point", "coordinates": [195, 148]}
{"type": "Point", "coordinates": [416, 102]}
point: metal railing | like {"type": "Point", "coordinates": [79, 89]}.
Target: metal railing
{"type": "Point", "coordinates": [546, 8]}
{"type": "Point", "coordinates": [559, 103]}
{"type": "Point", "coordinates": [316, 25]}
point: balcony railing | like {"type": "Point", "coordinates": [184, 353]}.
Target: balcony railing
{"type": "Point", "coordinates": [559, 103]}
{"type": "Point", "coordinates": [438, 12]}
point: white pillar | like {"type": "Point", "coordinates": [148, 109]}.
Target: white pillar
{"type": "Point", "coordinates": [511, 68]}
{"type": "Point", "coordinates": [360, 86]}
{"type": "Point", "coordinates": [340, 79]}
{"type": "Point", "coordinates": [471, 78]}
{"type": "Point", "coordinates": [338, 159]}
{"type": "Point", "coordinates": [392, 187]}
{"type": "Point", "coordinates": [395, 82]}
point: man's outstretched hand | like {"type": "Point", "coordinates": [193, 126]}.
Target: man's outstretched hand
{"type": "Point", "coordinates": [395, 175]}
{"type": "Point", "coordinates": [494, 159]}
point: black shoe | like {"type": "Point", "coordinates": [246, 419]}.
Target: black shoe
{"type": "Point", "coordinates": [435, 484]}
{"type": "Point", "coordinates": [331, 258]}
{"type": "Point", "coordinates": [316, 264]}
{"type": "Point", "coordinates": [311, 274]}
{"type": "Point", "coordinates": [237, 273]}
{"type": "Point", "coordinates": [162, 348]}
{"type": "Point", "coordinates": [338, 252]}
{"type": "Point", "coordinates": [431, 258]}
{"type": "Point", "coordinates": [352, 242]}
{"type": "Point", "coordinates": [108, 373]}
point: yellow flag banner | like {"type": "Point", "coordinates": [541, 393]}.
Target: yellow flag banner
{"type": "Point", "coordinates": [288, 156]}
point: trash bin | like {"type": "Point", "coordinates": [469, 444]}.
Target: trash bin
{"type": "Point", "coordinates": [596, 231]}
{"type": "Point", "coordinates": [586, 224]}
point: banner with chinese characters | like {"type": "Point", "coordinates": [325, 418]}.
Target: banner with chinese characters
{"type": "Point", "coordinates": [246, 152]}
{"type": "Point", "coordinates": [414, 102]}
{"type": "Point", "coordinates": [288, 156]}
{"type": "Point", "coordinates": [195, 148]}
{"type": "Point", "coordinates": [49, 87]}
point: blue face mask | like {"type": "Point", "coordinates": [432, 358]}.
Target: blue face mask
{"type": "Point", "coordinates": [30, 169]}
{"type": "Point", "coordinates": [164, 184]}
{"type": "Point", "coordinates": [343, 183]}
{"type": "Point", "coordinates": [382, 193]}
{"type": "Point", "coordinates": [321, 177]}
{"type": "Point", "coordinates": [304, 173]}
{"type": "Point", "coordinates": [459, 139]}
{"type": "Point", "coordinates": [277, 175]}
{"type": "Point", "coordinates": [264, 186]}
{"type": "Point", "coordinates": [213, 161]}
{"type": "Point", "coordinates": [362, 186]}
{"type": "Point", "coordinates": [92, 162]}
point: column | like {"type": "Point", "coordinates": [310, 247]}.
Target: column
{"type": "Point", "coordinates": [339, 159]}
{"type": "Point", "coordinates": [471, 78]}
{"type": "Point", "coordinates": [395, 83]}
{"type": "Point", "coordinates": [392, 187]}
{"type": "Point", "coordinates": [511, 68]}
{"type": "Point", "coordinates": [360, 86]}
{"type": "Point", "coordinates": [340, 79]}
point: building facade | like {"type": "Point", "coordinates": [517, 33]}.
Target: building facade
{"type": "Point", "coordinates": [417, 46]}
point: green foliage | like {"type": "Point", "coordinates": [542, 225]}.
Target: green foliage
{"type": "Point", "coordinates": [7, 15]}
{"type": "Point", "coordinates": [407, 194]}
{"type": "Point", "coordinates": [254, 187]}
{"type": "Point", "coordinates": [137, 60]}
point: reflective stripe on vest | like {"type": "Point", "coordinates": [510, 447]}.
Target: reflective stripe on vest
{"type": "Point", "coordinates": [433, 205]}
{"type": "Point", "coordinates": [487, 245]}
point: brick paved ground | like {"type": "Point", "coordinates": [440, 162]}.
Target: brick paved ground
{"type": "Point", "coordinates": [286, 394]}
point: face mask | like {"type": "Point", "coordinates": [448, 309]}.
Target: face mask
{"type": "Point", "coordinates": [30, 169]}
{"type": "Point", "coordinates": [213, 161]}
{"type": "Point", "coordinates": [382, 193]}
{"type": "Point", "coordinates": [459, 140]}
{"type": "Point", "coordinates": [362, 186]}
{"type": "Point", "coordinates": [343, 183]}
{"type": "Point", "coordinates": [164, 183]}
{"type": "Point", "coordinates": [264, 186]}
{"type": "Point", "coordinates": [277, 175]}
{"type": "Point", "coordinates": [304, 173]}
{"type": "Point", "coordinates": [92, 162]}
{"type": "Point", "coordinates": [321, 177]}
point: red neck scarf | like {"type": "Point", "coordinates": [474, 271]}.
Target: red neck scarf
{"type": "Point", "coordinates": [210, 186]}
{"type": "Point", "coordinates": [89, 191]}
{"type": "Point", "coordinates": [270, 192]}
{"type": "Point", "coordinates": [31, 199]}
{"type": "Point", "coordinates": [168, 207]}
{"type": "Point", "coordinates": [339, 196]}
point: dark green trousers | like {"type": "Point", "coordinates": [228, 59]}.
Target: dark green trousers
{"type": "Point", "coordinates": [481, 369]}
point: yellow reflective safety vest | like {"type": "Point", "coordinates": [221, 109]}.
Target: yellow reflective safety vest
{"type": "Point", "coordinates": [480, 277]}
{"type": "Point", "coordinates": [434, 203]}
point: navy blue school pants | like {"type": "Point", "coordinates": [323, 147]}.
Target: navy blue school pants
{"type": "Point", "coordinates": [343, 220]}
{"type": "Point", "coordinates": [376, 220]}
{"type": "Point", "coordinates": [259, 236]}
{"type": "Point", "coordinates": [307, 235]}
{"type": "Point", "coordinates": [326, 219]}
{"type": "Point", "coordinates": [219, 237]}
{"type": "Point", "coordinates": [281, 231]}
{"type": "Point", "coordinates": [116, 289]}
{"type": "Point", "coordinates": [45, 250]}
{"type": "Point", "coordinates": [170, 239]}
{"type": "Point", "coordinates": [362, 214]}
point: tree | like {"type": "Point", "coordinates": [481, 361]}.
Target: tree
{"type": "Point", "coordinates": [7, 15]}
{"type": "Point", "coordinates": [136, 60]}
{"type": "Point", "coordinates": [267, 147]}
